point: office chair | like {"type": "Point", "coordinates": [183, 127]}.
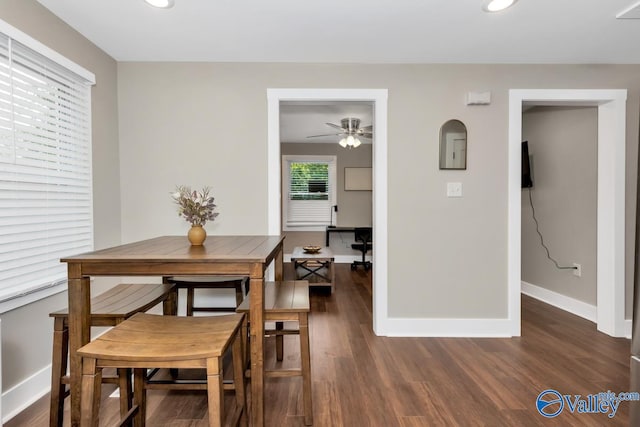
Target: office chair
{"type": "Point", "coordinates": [363, 237]}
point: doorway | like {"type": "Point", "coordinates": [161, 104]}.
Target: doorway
{"type": "Point", "coordinates": [611, 105]}
{"type": "Point", "coordinates": [310, 132]}
{"type": "Point", "coordinates": [378, 97]}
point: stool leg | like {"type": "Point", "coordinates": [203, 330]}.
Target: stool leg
{"type": "Point", "coordinates": [91, 389]}
{"type": "Point", "coordinates": [238, 373]}
{"type": "Point", "coordinates": [170, 308]}
{"type": "Point", "coordinates": [247, 286]}
{"type": "Point", "coordinates": [190, 299]}
{"type": "Point", "coordinates": [215, 392]}
{"type": "Point", "coordinates": [58, 370]}
{"type": "Point", "coordinates": [279, 342]}
{"type": "Point", "coordinates": [239, 294]}
{"type": "Point", "coordinates": [305, 358]}
{"type": "Point", "coordinates": [124, 383]}
{"type": "Point", "coordinates": [140, 397]}
{"type": "Point", "coordinates": [170, 304]}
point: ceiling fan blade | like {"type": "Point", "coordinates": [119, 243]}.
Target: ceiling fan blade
{"type": "Point", "coordinates": [327, 134]}
{"type": "Point", "coordinates": [367, 128]}
{"type": "Point", "coordinates": [364, 132]}
{"type": "Point", "coordinates": [335, 126]}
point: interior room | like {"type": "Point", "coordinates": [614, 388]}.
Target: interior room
{"type": "Point", "coordinates": [565, 203]}
{"type": "Point", "coordinates": [305, 131]}
{"type": "Point", "coordinates": [455, 316]}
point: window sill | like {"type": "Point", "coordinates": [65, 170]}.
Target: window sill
{"type": "Point", "coordinates": [21, 301]}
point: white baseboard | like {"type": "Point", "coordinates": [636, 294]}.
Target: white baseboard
{"type": "Point", "coordinates": [21, 396]}
{"type": "Point", "coordinates": [563, 302]}
{"type": "Point", "coordinates": [467, 328]}
{"type": "Point", "coordinates": [572, 305]}
{"type": "Point", "coordinates": [628, 328]}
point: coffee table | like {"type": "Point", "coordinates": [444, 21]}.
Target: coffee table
{"type": "Point", "coordinates": [317, 268]}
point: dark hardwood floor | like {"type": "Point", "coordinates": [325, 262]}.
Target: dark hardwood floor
{"type": "Point", "coordinates": [360, 379]}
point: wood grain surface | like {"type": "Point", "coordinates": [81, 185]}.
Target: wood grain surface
{"type": "Point", "coordinates": [360, 379]}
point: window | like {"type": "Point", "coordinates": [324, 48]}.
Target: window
{"type": "Point", "coordinates": [309, 192]}
{"type": "Point", "coordinates": [45, 168]}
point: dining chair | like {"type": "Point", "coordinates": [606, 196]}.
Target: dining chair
{"type": "Point", "coordinates": [287, 301]}
{"type": "Point", "coordinates": [147, 341]}
{"type": "Point", "coordinates": [107, 309]}
{"type": "Point", "coordinates": [195, 283]}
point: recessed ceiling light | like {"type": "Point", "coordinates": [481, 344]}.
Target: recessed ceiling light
{"type": "Point", "coordinates": [496, 5]}
{"type": "Point", "coordinates": [164, 4]}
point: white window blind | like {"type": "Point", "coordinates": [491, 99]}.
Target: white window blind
{"type": "Point", "coordinates": [309, 191]}
{"type": "Point", "coordinates": [45, 169]}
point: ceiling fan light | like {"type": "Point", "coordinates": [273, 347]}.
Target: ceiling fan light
{"type": "Point", "coordinates": [350, 141]}
{"type": "Point", "coordinates": [496, 5]}
{"type": "Point", "coordinates": [356, 142]}
{"type": "Point", "coordinates": [343, 143]}
{"type": "Point", "coordinates": [163, 4]}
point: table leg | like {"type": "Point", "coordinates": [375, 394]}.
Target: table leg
{"type": "Point", "coordinates": [257, 348]}
{"type": "Point", "coordinates": [79, 334]}
{"type": "Point", "coordinates": [256, 314]}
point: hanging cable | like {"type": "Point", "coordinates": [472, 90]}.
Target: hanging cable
{"type": "Point", "coordinates": [533, 214]}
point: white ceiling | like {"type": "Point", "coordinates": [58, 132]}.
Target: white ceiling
{"type": "Point", "coordinates": [355, 31]}
{"type": "Point", "coordinates": [298, 120]}
{"type": "Point", "coordinates": [365, 31]}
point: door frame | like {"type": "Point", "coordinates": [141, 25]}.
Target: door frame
{"type": "Point", "coordinates": [378, 97]}
{"type": "Point", "coordinates": [610, 250]}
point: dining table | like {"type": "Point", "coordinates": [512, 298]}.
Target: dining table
{"type": "Point", "coordinates": [174, 255]}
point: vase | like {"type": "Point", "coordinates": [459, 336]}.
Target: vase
{"type": "Point", "coordinates": [196, 235]}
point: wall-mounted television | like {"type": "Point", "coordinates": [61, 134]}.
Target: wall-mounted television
{"type": "Point", "coordinates": [527, 181]}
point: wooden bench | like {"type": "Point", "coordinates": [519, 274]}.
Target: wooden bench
{"type": "Point", "coordinates": [107, 309]}
{"type": "Point", "coordinates": [288, 301]}
{"type": "Point", "coordinates": [192, 283]}
{"type": "Point", "coordinates": [150, 341]}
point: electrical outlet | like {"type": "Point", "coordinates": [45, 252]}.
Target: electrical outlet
{"type": "Point", "coordinates": [578, 270]}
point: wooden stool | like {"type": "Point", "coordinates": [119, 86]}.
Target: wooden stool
{"type": "Point", "coordinates": [150, 341]}
{"type": "Point", "coordinates": [288, 301]}
{"type": "Point", "coordinates": [191, 283]}
{"type": "Point", "coordinates": [107, 309]}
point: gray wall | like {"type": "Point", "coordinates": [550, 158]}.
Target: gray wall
{"type": "Point", "coordinates": [27, 331]}
{"type": "Point", "coordinates": [354, 207]}
{"type": "Point", "coordinates": [563, 145]}
{"type": "Point", "coordinates": [179, 124]}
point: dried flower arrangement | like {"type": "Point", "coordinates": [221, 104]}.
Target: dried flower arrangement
{"type": "Point", "coordinates": [196, 207]}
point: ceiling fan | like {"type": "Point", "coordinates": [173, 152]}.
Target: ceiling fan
{"type": "Point", "coordinates": [350, 130]}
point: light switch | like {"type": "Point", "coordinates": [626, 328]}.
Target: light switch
{"type": "Point", "coordinates": [454, 189]}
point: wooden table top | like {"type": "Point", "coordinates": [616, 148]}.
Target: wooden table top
{"type": "Point", "coordinates": [245, 249]}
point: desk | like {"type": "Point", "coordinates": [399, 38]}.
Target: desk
{"type": "Point", "coordinates": [336, 230]}
{"type": "Point", "coordinates": [170, 256]}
